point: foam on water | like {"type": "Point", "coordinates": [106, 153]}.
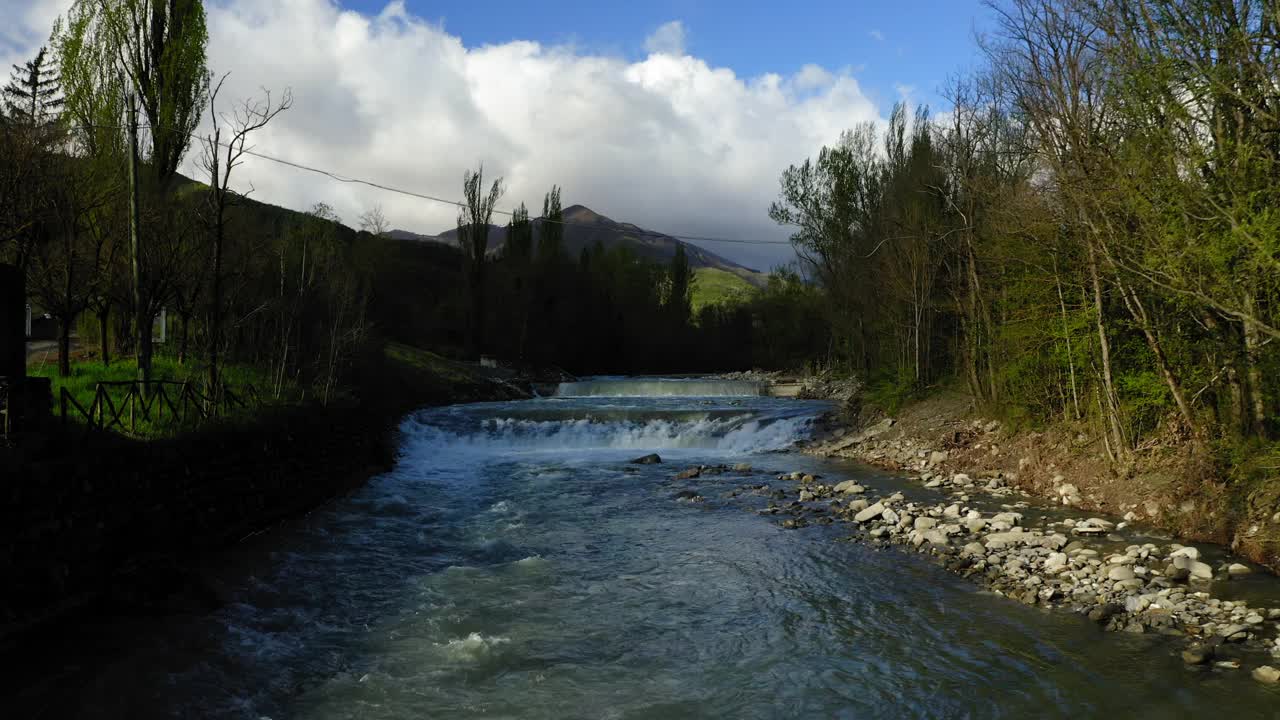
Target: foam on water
{"type": "Point", "coordinates": [473, 648]}
{"type": "Point", "coordinates": [660, 388]}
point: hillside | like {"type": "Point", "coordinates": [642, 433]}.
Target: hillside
{"type": "Point", "coordinates": [584, 228]}
{"type": "Point", "coordinates": [713, 285]}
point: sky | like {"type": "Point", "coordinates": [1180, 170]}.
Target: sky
{"type": "Point", "coordinates": [678, 116]}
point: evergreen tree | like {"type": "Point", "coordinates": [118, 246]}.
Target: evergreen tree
{"type": "Point", "coordinates": [33, 96]}
{"type": "Point", "coordinates": [680, 287]}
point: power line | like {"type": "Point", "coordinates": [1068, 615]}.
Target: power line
{"type": "Point", "coordinates": [456, 203]}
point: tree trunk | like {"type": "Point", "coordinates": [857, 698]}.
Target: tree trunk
{"type": "Point", "coordinates": [1112, 405]}
{"type": "Point", "coordinates": [1252, 359]}
{"type": "Point", "coordinates": [1139, 313]}
{"type": "Point", "coordinates": [103, 337]}
{"type": "Point", "coordinates": [64, 345]}
{"type": "Point", "coordinates": [1066, 334]}
{"type": "Point", "coordinates": [182, 339]}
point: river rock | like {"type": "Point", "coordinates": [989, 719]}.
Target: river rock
{"type": "Point", "coordinates": [1266, 675]}
{"type": "Point", "coordinates": [1120, 572]}
{"type": "Point", "coordinates": [857, 505]}
{"type": "Point", "coordinates": [937, 457]}
{"type": "Point", "coordinates": [1237, 569]}
{"type": "Point", "coordinates": [974, 549]}
{"type": "Point", "coordinates": [868, 513]}
{"type": "Point", "coordinates": [935, 537]}
{"type": "Point", "coordinates": [742, 467]}
{"type": "Point", "coordinates": [1234, 633]}
{"type": "Point", "coordinates": [1055, 561]}
{"type": "Point", "coordinates": [849, 487]}
{"type": "Point", "coordinates": [689, 474]}
{"type": "Point", "coordinates": [890, 516]}
{"type": "Point", "coordinates": [806, 496]}
{"type": "Point", "coordinates": [1187, 552]}
{"type": "Point", "coordinates": [925, 523]}
{"type": "Point", "coordinates": [1195, 568]}
{"type": "Point", "coordinates": [650, 459]}
{"type": "Point", "coordinates": [1197, 654]}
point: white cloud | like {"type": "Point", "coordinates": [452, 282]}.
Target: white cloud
{"type": "Point", "coordinates": [668, 39]}
{"type": "Point", "coordinates": [876, 35]}
{"type": "Point", "coordinates": [668, 142]}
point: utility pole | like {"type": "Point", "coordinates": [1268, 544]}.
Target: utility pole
{"type": "Point", "coordinates": [142, 353]}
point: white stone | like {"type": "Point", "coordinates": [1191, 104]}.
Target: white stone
{"type": "Point", "coordinates": [868, 513]}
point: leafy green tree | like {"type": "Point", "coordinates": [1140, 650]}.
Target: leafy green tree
{"type": "Point", "coordinates": [473, 238]}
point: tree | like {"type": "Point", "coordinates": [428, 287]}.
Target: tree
{"type": "Point", "coordinates": [374, 222]}
{"type": "Point", "coordinates": [33, 96]}
{"type": "Point", "coordinates": [679, 288]}
{"type": "Point", "coordinates": [473, 237]}
{"type": "Point", "coordinates": [159, 48]}
{"type": "Point", "coordinates": [220, 157]}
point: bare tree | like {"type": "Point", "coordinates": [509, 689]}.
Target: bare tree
{"type": "Point", "coordinates": [375, 222]}
{"type": "Point", "coordinates": [223, 151]}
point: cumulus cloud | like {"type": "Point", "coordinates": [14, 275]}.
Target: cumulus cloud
{"type": "Point", "coordinates": [668, 39]}
{"type": "Point", "coordinates": [667, 142]}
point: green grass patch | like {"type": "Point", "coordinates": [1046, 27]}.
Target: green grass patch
{"type": "Point", "coordinates": [713, 285]}
{"type": "Point", "coordinates": [428, 363]}
{"type": "Point", "coordinates": [251, 385]}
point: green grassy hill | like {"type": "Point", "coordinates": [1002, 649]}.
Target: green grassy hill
{"type": "Point", "coordinates": [713, 285]}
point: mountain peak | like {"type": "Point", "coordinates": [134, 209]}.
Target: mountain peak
{"type": "Point", "coordinates": [582, 214]}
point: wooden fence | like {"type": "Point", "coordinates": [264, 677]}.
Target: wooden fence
{"type": "Point", "coordinates": [158, 404]}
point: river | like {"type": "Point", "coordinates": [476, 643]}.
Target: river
{"type": "Point", "coordinates": [514, 564]}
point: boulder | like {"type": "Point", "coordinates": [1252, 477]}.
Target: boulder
{"type": "Point", "coordinates": [1266, 675]}
{"type": "Point", "coordinates": [937, 457]}
{"type": "Point", "coordinates": [1055, 561]}
{"type": "Point", "coordinates": [935, 537]}
{"type": "Point", "coordinates": [871, 512]}
{"type": "Point", "coordinates": [1187, 552]}
{"type": "Point", "coordinates": [974, 549]}
{"type": "Point", "coordinates": [1237, 569]}
{"type": "Point", "coordinates": [1120, 572]}
{"type": "Point", "coordinates": [689, 474]}
{"type": "Point", "coordinates": [925, 523]}
{"type": "Point", "coordinates": [650, 459]}
{"type": "Point", "coordinates": [849, 487]}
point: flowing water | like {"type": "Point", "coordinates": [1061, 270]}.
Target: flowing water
{"type": "Point", "coordinates": [515, 565]}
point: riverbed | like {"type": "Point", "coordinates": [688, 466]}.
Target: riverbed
{"type": "Point", "coordinates": [516, 564]}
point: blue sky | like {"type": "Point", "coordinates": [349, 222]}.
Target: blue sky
{"type": "Point", "coordinates": [889, 44]}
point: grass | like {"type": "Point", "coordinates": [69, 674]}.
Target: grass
{"type": "Point", "coordinates": [428, 363]}
{"type": "Point", "coordinates": [85, 376]}
{"type": "Point", "coordinates": [713, 285]}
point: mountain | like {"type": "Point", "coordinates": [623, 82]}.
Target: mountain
{"type": "Point", "coordinates": [584, 228]}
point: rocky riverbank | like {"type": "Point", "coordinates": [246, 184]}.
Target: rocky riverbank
{"type": "Point", "coordinates": [1066, 561]}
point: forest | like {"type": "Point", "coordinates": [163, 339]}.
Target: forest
{"type": "Point", "coordinates": [109, 234]}
{"type": "Point", "coordinates": [1088, 235]}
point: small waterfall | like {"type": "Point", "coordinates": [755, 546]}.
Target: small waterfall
{"type": "Point", "coordinates": [633, 387]}
{"type": "Point", "coordinates": [740, 433]}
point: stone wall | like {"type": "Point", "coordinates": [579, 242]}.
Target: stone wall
{"type": "Point", "coordinates": [77, 513]}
